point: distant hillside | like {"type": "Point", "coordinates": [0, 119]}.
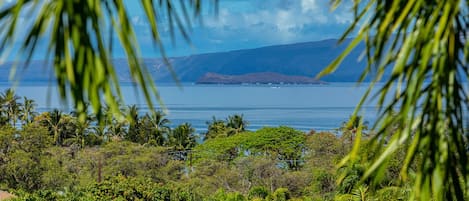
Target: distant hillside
{"type": "Point", "coordinates": [300, 59]}
{"type": "Point", "coordinates": [252, 78]}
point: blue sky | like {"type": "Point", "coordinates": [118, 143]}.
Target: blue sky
{"type": "Point", "coordinates": [242, 24]}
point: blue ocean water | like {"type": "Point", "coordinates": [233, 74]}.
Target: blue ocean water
{"type": "Point", "coordinates": [304, 107]}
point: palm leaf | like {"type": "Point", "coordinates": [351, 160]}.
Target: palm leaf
{"type": "Point", "coordinates": [425, 45]}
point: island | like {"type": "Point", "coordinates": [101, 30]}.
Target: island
{"type": "Point", "coordinates": [256, 78]}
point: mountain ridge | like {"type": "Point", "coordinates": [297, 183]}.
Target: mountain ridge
{"type": "Point", "coordinates": [297, 59]}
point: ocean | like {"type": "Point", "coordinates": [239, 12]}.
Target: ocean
{"type": "Point", "coordinates": [304, 107]}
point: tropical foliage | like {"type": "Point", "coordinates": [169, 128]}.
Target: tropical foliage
{"type": "Point", "coordinates": [57, 157]}
{"type": "Point", "coordinates": [232, 125]}
{"type": "Point", "coordinates": [424, 44]}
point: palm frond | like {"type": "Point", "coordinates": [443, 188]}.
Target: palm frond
{"type": "Point", "coordinates": [424, 43]}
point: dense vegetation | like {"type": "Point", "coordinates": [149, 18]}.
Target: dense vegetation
{"type": "Point", "coordinates": [54, 156]}
{"type": "Point", "coordinates": [424, 44]}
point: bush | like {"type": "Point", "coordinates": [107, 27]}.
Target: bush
{"type": "Point", "coordinates": [325, 181]}
{"type": "Point", "coordinates": [235, 197]}
{"type": "Point", "coordinates": [221, 195]}
{"type": "Point", "coordinates": [48, 195]}
{"type": "Point", "coordinates": [122, 188]}
{"type": "Point", "coordinates": [393, 193]}
{"type": "Point", "coordinates": [258, 192]}
{"type": "Point", "coordinates": [281, 194]}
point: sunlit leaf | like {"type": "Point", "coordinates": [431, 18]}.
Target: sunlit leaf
{"type": "Point", "coordinates": [425, 45]}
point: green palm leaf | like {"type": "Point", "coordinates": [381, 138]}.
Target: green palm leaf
{"type": "Point", "coordinates": [425, 43]}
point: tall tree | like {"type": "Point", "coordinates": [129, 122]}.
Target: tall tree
{"type": "Point", "coordinates": [118, 128]}
{"type": "Point", "coordinates": [55, 124]}
{"type": "Point", "coordinates": [236, 124]}
{"type": "Point", "coordinates": [109, 125]}
{"type": "Point", "coordinates": [426, 45]}
{"type": "Point", "coordinates": [10, 105]}
{"type": "Point", "coordinates": [133, 133]}
{"type": "Point", "coordinates": [60, 126]}
{"type": "Point", "coordinates": [183, 137]}
{"type": "Point", "coordinates": [28, 110]}
{"type": "Point", "coordinates": [216, 128]}
{"type": "Point", "coordinates": [118, 125]}
{"type": "Point", "coordinates": [82, 129]}
{"type": "Point", "coordinates": [155, 128]}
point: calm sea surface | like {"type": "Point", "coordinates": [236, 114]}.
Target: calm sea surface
{"type": "Point", "coordinates": [305, 107]}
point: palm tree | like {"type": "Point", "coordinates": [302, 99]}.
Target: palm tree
{"type": "Point", "coordinates": [60, 126]}
{"type": "Point", "coordinates": [10, 105]}
{"type": "Point", "coordinates": [216, 128]}
{"type": "Point", "coordinates": [82, 129]}
{"type": "Point", "coordinates": [155, 127]}
{"type": "Point", "coordinates": [55, 123]}
{"type": "Point", "coordinates": [182, 137]}
{"type": "Point", "coordinates": [107, 124]}
{"type": "Point", "coordinates": [100, 131]}
{"type": "Point", "coordinates": [81, 126]}
{"type": "Point", "coordinates": [28, 110]}
{"type": "Point", "coordinates": [15, 112]}
{"type": "Point", "coordinates": [236, 124]}
{"type": "Point", "coordinates": [118, 128]}
{"type": "Point", "coordinates": [133, 133]}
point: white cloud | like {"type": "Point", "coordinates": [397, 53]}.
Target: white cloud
{"type": "Point", "coordinates": [252, 23]}
{"type": "Point", "coordinates": [309, 5]}
{"type": "Point", "coordinates": [138, 20]}
{"type": "Point", "coordinates": [343, 18]}
{"type": "Point", "coordinates": [283, 20]}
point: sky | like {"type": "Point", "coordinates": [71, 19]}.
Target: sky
{"type": "Point", "coordinates": [241, 24]}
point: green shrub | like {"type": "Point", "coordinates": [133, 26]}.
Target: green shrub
{"type": "Point", "coordinates": [325, 182]}
{"type": "Point", "coordinates": [392, 193]}
{"type": "Point", "coordinates": [122, 188]}
{"type": "Point", "coordinates": [258, 192]}
{"type": "Point", "coordinates": [281, 194]}
{"type": "Point", "coordinates": [221, 195]}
